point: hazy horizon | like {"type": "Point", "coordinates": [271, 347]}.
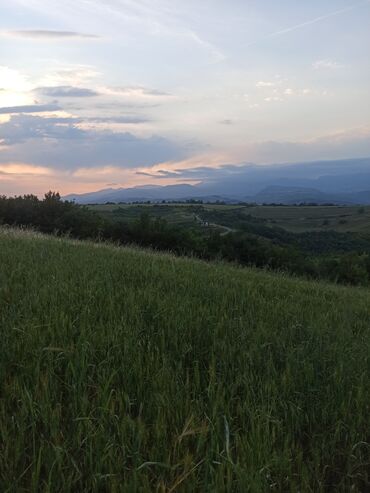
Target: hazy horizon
{"type": "Point", "coordinates": [120, 93]}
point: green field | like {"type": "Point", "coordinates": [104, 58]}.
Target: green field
{"type": "Point", "coordinates": [316, 218]}
{"type": "Point", "coordinates": [179, 215]}
{"type": "Point", "coordinates": [292, 218]}
{"type": "Point", "coordinates": [128, 371]}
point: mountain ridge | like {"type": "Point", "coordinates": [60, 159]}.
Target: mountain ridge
{"type": "Point", "coordinates": [340, 182]}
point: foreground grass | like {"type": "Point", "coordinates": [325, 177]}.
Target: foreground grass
{"type": "Point", "coordinates": [123, 370]}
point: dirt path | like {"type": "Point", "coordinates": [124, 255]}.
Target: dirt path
{"type": "Point", "coordinates": [226, 229]}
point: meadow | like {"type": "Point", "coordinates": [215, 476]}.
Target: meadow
{"type": "Point", "coordinates": [296, 219]}
{"type": "Point", "coordinates": [178, 214]}
{"type": "Point", "coordinates": [315, 218]}
{"type": "Point", "coordinates": [127, 370]}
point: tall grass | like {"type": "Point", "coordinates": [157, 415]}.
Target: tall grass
{"type": "Point", "coordinates": [123, 370]}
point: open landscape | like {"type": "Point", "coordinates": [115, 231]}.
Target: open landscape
{"type": "Point", "coordinates": [125, 367]}
{"type": "Point", "coordinates": [292, 218]}
{"type": "Point", "coordinates": [184, 246]}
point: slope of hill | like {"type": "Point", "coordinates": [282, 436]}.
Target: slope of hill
{"type": "Point", "coordinates": [125, 370]}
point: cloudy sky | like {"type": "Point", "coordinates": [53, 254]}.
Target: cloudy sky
{"type": "Point", "coordinates": [97, 94]}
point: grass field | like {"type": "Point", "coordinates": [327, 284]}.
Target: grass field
{"type": "Point", "coordinates": [317, 218]}
{"type": "Point", "coordinates": [125, 370]}
{"type": "Point", "coordinates": [292, 218]}
{"type": "Point", "coordinates": [179, 215]}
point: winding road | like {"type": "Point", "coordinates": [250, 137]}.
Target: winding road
{"type": "Point", "coordinates": [226, 229]}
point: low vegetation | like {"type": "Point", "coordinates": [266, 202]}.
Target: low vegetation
{"type": "Point", "coordinates": [127, 370]}
{"type": "Point", "coordinates": [230, 235]}
{"type": "Point", "coordinates": [296, 219]}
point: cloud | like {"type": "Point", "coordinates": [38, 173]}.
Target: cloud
{"type": "Point", "coordinates": [138, 91]}
{"type": "Point", "coordinates": [12, 80]}
{"type": "Point", "coordinates": [270, 99]}
{"type": "Point", "coordinates": [227, 121]}
{"type": "Point", "coordinates": [262, 83]}
{"type": "Point", "coordinates": [352, 143]}
{"type": "Point", "coordinates": [152, 175]}
{"type": "Point", "coordinates": [129, 119]}
{"type": "Point", "coordinates": [23, 169]}
{"type": "Point", "coordinates": [309, 22]}
{"type": "Point", "coordinates": [29, 108]}
{"type": "Point", "coordinates": [162, 173]}
{"type": "Point", "coordinates": [23, 127]}
{"type": "Point", "coordinates": [61, 143]}
{"type": "Point", "coordinates": [327, 64]}
{"type": "Point", "coordinates": [200, 173]}
{"type": "Point", "coordinates": [48, 35]}
{"type": "Point", "coordinates": [66, 92]}
{"type": "Point", "coordinates": [216, 55]}
{"type": "Point", "coordinates": [75, 75]}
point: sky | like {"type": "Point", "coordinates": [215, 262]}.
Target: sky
{"type": "Point", "coordinates": [125, 93]}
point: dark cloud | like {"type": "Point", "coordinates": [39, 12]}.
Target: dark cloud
{"type": "Point", "coordinates": [226, 122]}
{"type": "Point", "coordinates": [25, 127]}
{"type": "Point", "coordinates": [30, 108]}
{"type": "Point", "coordinates": [40, 34]}
{"type": "Point", "coordinates": [62, 144]}
{"type": "Point", "coordinates": [161, 174]}
{"type": "Point", "coordinates": [143, 173]}
{"type": "Point", "coordinates": [157, 175]}
{"type": "Point", "coordinates": [202, 172]}
{"type": "Point", "coordinates": [66, 92]}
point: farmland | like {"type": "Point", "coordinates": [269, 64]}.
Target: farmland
{"type": "Point", "coordinates": [292, 218]}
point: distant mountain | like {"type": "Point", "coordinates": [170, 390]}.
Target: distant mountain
{"type": "Point", "coordinates": [147, 192]}
{"type": "Point", "coordinates": [340, 182]}
{"type": "Point", "coordinates": [360, 197]}
{"type": "Point", "coordinates": [343, 183]}
{"type": "Point", "coordinates": [299, 195]}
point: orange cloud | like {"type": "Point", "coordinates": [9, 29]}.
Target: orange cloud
{"type": "Point", "coordinates": [211, 160]}
{"type": "Point", "coordinates": [22, 178]}
{"type": "Point", "coordinates": [24, 169]}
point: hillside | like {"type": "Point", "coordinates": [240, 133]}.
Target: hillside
{"type": "Point", "coordinates": [125, 370]}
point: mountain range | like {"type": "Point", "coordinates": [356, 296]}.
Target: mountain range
{"type": "Point", "coordinates": [339, 182]}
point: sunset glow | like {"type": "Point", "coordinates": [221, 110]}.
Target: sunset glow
{"type": "Point", "coordinates": [138, 89]}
